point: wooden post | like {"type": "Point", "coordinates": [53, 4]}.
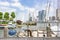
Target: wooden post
{"type": "Point", "coordinates": [5, 32]}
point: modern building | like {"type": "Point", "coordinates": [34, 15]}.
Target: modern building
{"type": "Point", "coordinates": [53, 18]}
{"type": "Point", "coordinates": [50, 18]}
{"type": "Point", "coordinates": [41, 15]}
{"type": "Point", "coordinates": [41, 18]}
{"type": "Point", "coordinates": [58, 14]}
{"type": "Point", "coordinates": [58, 10]}
{"type": "Point", "coordinates": [30, 17]}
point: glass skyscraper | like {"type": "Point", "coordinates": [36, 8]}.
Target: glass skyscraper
{"type": "Point", "coordinates": [41, 15]}
{"type": "Point", "coordinates": [58, 10]}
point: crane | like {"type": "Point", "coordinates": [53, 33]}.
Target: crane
{"type": "Point", "coordinates": [47, 10]}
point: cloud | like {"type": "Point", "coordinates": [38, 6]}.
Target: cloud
{"type": "Point", "coordinates": [15, 0]}
{"type": "Point", "coordinates": [4, 3]}
{"type": "Point", "coordinates": [7, 9]}
{"type": "Point", "coordinates": [18, 5]}
{"type": "Point", "coordinates": [22, 16]}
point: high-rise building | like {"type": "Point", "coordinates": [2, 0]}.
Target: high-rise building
{"type": "Point", "coordinates": [50, 18]}
{"type": "Point", "coordinates": [41, 15]}
{"type": "Point", "coordinates": [58, 10]}
{"type": "Point", "coordinates": [53, 17]}
{"type": "Point", "coordinates": [58, 14]}
{"type": "Point", "coordinates": [30, 18]}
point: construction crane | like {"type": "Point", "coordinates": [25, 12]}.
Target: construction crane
{"type": "Point", "coordinates": [47, 10]}
{"type": "Point", "coordinates": [47, 18]}
{"type": "Point", "coordinates": [48, 29]}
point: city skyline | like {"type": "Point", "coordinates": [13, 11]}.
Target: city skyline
{"type": "Point", "coordinates": [23, 7]}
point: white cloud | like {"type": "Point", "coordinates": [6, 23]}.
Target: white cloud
{"type": "Point", "coordinates": [15, 0]}
{"type": "Point", "coordinates": [7, 9]}
{"type": "Point", "coordinates": [4, 3]}
{"type": "Point", "coordinates": [18, 5]}
{"type": "Point", "coordinates": [22, 16]}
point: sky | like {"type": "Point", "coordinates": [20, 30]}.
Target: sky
{"type": "Point", "coordinates": [58, 2]}
{"type": "Point", "coordinates": [23, 7]}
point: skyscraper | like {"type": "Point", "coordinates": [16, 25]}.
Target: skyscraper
{"type": "Point", "coordinates": [53, 17]}
{"type": "Point", "coordinates": [41, 15]}
{"type": "Point", "coordinates": [30, 18]}
{"type": "Point", "coordinates": [58, 14]}
{"type": "Point", "coordinates": [58, 10]}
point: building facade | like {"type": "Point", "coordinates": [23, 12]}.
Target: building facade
{"type": "Point", "coordinates": [41, 15]}
{"type": "Point", "coordinates": [58, 10]}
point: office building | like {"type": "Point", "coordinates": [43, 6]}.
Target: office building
{"type": "Point", "coordinates": [50, 18]}
{"type": "Point", "coordinates": [58, 14]}
{"type": "Point", "coordinates": [58, 10]}
{"type": "Point", "coordinates": [41, 15]}
{"type": "Point", "coordinates": [53, 17]}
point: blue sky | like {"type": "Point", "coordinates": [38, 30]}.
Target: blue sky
{"type": "Point", "coordinates": [58, 3]}
{"type": "Point", "coordinates": [23, 7]}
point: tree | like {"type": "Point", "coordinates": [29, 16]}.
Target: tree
{"type": "Point", "coordinates": [19, 22]}
{"type": "Point", "coordinates": [1, 15]}
{"type": "Point", "coordinates": [11, 19]}
{"type": "Point", "coordinates": [6, 16]}
{"type": "Point", "coordinates": [13, 15]}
